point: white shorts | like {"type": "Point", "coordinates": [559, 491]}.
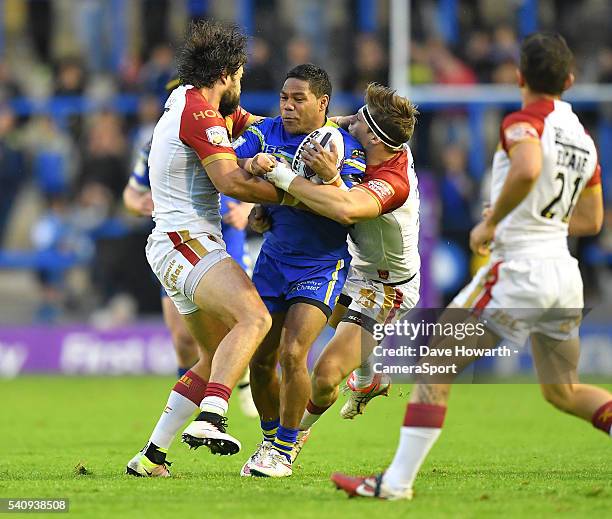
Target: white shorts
{"type": "Point", "coordinates": [180, 261]}
{"type": "Point", "coordinates": [380, 302]}
{"type": "Point", "coordinates": [517, 297]}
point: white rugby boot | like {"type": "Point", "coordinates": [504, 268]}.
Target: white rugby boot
{"type": "Point", "coordinates": [245, 471]}
{"type": "Point", "coordinates": [358, 398]}
{"type": "Point", "coordinates": [141, 466]}
{"type": "Point", "coordinates": [372, 486]}
{"type": "Point", "coordinates": [271, 464]}
{"type": "Point", "coordinates": [208, 429]}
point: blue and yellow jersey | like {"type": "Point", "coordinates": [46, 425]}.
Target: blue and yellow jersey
{"type": "Point", "coordinates": [299, 237]}
{"type": "Point", "coordinates": [139, 178]}
{"type": "Point", "coordinates": [235, 239]}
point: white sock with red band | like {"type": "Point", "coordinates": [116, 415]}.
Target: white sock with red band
{"type": "Point", "coordinates": [311, 415]}
{"type": "Point", "coordinates": [184, 399]}
{"type": "Point", "coordinates": [422, 427]}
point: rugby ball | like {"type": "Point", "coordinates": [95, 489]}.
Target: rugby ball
{"type": "Point", "coordinates": [324, 136]}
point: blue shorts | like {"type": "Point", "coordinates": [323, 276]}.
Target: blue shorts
{"type": "Point", "coordinates": [280, 285]}
{"type": "Point", "coordinates": [235, 244]}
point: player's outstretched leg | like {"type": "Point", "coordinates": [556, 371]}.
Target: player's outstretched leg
{"type": "Point", "coordinates": [303, 323]}
{"type": "Point", "coordinates": [227, 294]}
{"type": "Point", "coordinates": [265, 387]}
{"type": "Point", "coordinates": [422, 426]}
{"type": "Point", "coordinates": [346, 351]}
{"type": "Point", "coordinates": [183, 401]}
{"type": "Point", "coordinates": [340, 356]}
{"type": "Point", "coordinates": [556, 363]}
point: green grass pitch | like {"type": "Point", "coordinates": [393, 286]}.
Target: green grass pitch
{"type": "Point", "coordinates": [504, 452]}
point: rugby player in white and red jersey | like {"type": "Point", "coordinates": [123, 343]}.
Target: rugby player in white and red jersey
{"type": "Point", "coordinates": [191, 162]}
{"type": "Point", "coordinates": [546, 185]}
{"type": "Point", "coordinates": [138, 200]}
{"type": "Point", "coordinates": [383, 282]}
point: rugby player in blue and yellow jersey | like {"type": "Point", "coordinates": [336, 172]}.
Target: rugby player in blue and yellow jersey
{"type": "Point", "coordinates": [299, 273]}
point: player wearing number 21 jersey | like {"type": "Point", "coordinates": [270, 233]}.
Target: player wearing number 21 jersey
{"type": "Point", "coordinates": [530, 266]}
{"type": "Point", "coordinates": [546, 185]}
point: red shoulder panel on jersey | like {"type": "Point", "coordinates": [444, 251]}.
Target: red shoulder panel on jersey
{"type": "Point", "coordinates": [388, 183]}
{"type": "Point", "coordinates": [204, 130]}
{"type": "Point", "coordinates": [526, 124]}
{"type": "Point", "coordinates": [596, 177]}
{"type": "Point", "coordinates": [240, 120]}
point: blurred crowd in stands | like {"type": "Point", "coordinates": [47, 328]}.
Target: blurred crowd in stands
{"type": "Point", "coordinates": [62, 174]}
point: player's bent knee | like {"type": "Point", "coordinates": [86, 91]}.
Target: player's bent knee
{"type": "Point", "coordinates": [262, 322]}
{"type": "Point", "coordinates": [324, 383]}
{"type": "Point", "coordinates": [265, 320]}
{"type": "Point", "coordinates": [326, 377]}
{"type": "Point", "coordinates": [257, 317]}
{"type": "Point", "coordinates": [292, 359]}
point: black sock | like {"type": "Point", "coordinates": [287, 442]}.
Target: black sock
{"type": "Point", "coordinates": [154, 454]}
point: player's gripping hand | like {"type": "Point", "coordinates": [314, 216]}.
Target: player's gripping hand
{"type": "Point", "coordinates": [138, 203]}
{"type": "Point", "coordinates": [344, 121]}
{"type": "Point", "coordinates": [238, 214]}
{"type": "Point", "coordinates": [320, 160]}
{"type": "Point", "coordinates": [259, 219]}
{"type": "Point", "coordinates": [487, 211]}
{"type": "Point", "coordinates": [281, 176]}
{"type": "Point", "coordinates": [145, 204]}
{"type": "Point", "coordinates": [481, 237]}
{"type": "Point", "coordinates": [261, 164]}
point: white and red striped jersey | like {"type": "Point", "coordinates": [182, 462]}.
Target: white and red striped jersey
{"type": "Point", "coordinates": [190, 135]}
{"type": "Point", "coordinates": [539, 224]}
{"type": "Point", "coordinates": [386, 248]}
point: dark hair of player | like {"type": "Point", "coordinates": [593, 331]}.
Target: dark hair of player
{"type": "Point", "coordinates": [393, 114]}
{"type": "Point", "coordinates": [546, 62]}
{"type": "Point", "coordinates": [317, 78]}
{"type": "Point", "coordinates": [211, 49]}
